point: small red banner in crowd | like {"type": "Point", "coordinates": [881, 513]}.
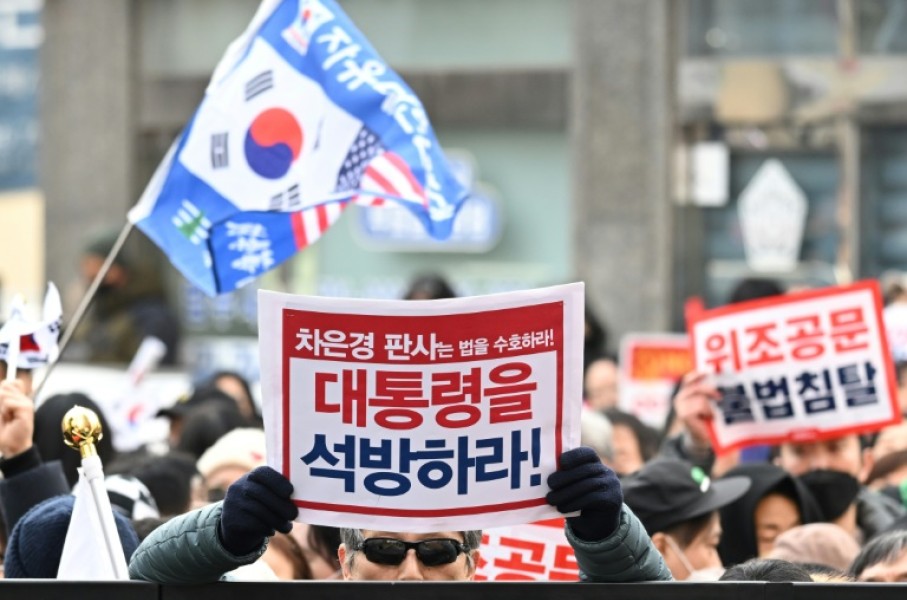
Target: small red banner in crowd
{"type": "Point", "coordinates": [650, 367]}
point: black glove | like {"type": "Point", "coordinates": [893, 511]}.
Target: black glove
{"type": "Point", "coordinates": [255, 506]}
{"type": "Point", "coordinates": [583, 483]}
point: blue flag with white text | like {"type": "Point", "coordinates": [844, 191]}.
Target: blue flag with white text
{"type": "Point", "coordinates": [301, 118]}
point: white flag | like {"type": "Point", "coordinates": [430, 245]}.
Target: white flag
{"type": "Point", "coordinates": [92, 550]}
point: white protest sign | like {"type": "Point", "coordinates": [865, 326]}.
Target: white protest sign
{"type": "Point", "coordinates": [802, 367]}
{"type": "Point", "coordinates": [531, 552]}
{"type": "Point", "coordinates": [421, 415]}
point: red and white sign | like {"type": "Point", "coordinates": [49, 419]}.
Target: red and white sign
{"type": "Point", "coordinates": [650, 367]}
{"type": "Point", "coordinates": [421, 416]}
{"type": "Point", "coordinates": [801, 367]}
{"type": "Point", "coordinates": [530, 552]}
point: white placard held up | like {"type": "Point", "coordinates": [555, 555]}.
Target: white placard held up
{"type": "Point", "coordinates": [801, 367]}
{"type": "Point", "coordinates": [421, 415]}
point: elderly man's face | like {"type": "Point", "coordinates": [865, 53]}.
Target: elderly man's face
{"type": "Point", "coordinates": [411, 568]}
{"type": "Point", "coordinates": [886, 572]}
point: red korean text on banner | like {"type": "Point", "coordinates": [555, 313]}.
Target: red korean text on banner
{"type": "Point", "coordinates": [422, 416]}
{"type": "Point", "coordinates": [532, 552]}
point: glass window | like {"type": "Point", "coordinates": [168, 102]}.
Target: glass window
{"type": "Point", "coordinates": [20, 40]}
{"type": "Point", "coordinates": [762, 27]}
{"type": "Point", "coordinates": [884, 201]}
{"type": "Point", "coordinates": [186, 38]}
{"type": "Point", "coordinates": [883, 26]}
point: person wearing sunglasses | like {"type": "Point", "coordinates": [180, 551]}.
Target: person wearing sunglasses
{"type": "Point", "coordinates": [609, 542]}
{"type": "Point", "coordinates": [385, 556]}
{"type": "Point", "coordinates": [204, 545]}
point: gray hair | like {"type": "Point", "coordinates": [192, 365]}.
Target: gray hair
{"type": "Point", "coordinates": [353, 538]}
{"type": "Point", "coordinates": [884, 549]}
{"type": "Point", "coordinates": [597, 433]}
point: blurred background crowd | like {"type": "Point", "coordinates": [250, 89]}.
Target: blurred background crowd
{"type": "Point", "coordinates": [657, 150]}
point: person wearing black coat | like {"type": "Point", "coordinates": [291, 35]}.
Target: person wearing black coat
{"type": "Point", "coordinates": [27, 480]}
{"type": "Point", "coordinates": [775, 502]}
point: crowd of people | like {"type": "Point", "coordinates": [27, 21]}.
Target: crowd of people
{"type": "Point", "coordinates": [831, 506]}
{"type": "Point", "coordinates": [639, 504]}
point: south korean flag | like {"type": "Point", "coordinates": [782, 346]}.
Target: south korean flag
{"type": "Point", "coordinates": [265, 129]}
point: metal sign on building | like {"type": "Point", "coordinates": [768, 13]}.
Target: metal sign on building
{"type": "Point", "coordinates": [772, 210]}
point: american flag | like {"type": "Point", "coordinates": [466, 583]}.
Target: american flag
{"type": "Point", "coordinates": [311, 223]}
{"type": "Point", "coordinates": [369, 167]}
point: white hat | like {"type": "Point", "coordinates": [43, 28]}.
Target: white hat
{"type": "Point", "coordinates": [243, 448]}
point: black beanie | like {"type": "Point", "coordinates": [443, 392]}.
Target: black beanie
{"type": "Point", "coordinates": [36, 543]}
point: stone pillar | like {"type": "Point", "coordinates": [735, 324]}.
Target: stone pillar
{"type": "Point", "coordinates": [87, 137]}
{"type": "Point", "coordinates": [621, 126]}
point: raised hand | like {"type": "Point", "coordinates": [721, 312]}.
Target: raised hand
{"type": "Point", "coordinates": [17, 418]}
{"type": "Point", "coordinates": [583, 483]}
{"type": "Point", "coordinates": [692, 405]}
{"type": "Point", "coordinates": [256, 505]}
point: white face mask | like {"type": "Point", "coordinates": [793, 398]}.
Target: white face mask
{"type": "Point", "coordinates": [709, 574]}
{"type": "Point", "coordinates": [675, 547]}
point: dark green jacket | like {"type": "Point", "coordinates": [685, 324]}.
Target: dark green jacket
{"type": "Point", "coordinates": [626, 556]}
{"type": "Point", "coordinates": [186, 549]}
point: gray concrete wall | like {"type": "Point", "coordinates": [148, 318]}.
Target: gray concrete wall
{"type": "Point", "coordinates": [87, 137]}
{"type": "Point", "coordinates": [621, 138]}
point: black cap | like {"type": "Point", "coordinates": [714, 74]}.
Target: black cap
{"type": "Point", "coordinates": [669, 491]}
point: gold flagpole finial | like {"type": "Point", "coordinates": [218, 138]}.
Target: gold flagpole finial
{"type": "Point", "coordinates": [81, 430]}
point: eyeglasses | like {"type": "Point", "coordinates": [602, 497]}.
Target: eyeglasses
{"type": "Point", "coordinates": [432, 553]}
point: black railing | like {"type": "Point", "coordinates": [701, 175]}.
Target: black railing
{"type": "Point", "coordinates": [305, 590]}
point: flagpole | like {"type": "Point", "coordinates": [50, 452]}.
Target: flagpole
{"type": "Point", "coordinates": [81, 429]}
{"type": "Point", "coordinates": [90, 293]}
{"type": "Point", "coordinates": [12, 353]}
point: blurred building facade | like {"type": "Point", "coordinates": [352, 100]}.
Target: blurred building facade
{"type": "Point", "coordinates": [618, 136]}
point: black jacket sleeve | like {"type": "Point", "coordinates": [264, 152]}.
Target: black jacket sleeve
{"type": "Point", "coordinates": [27, 482]}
